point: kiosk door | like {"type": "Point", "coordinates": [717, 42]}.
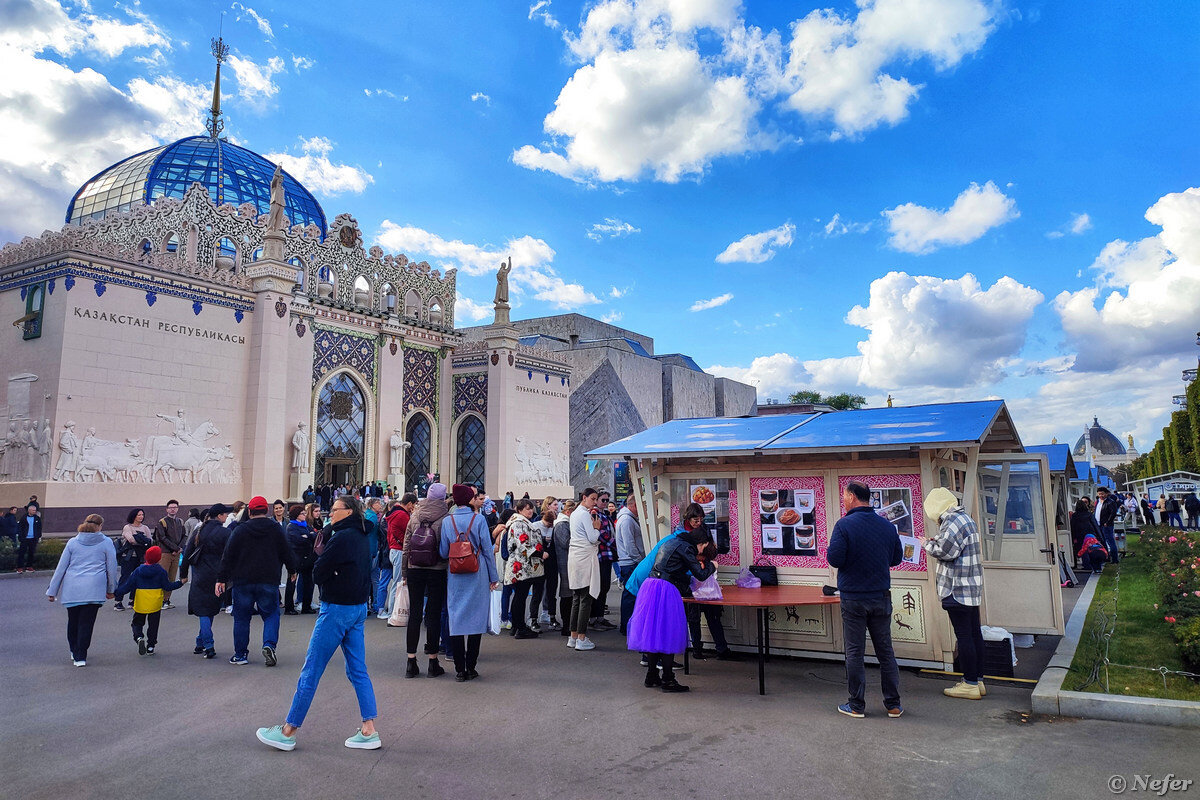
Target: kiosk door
{"type": "Point", "coordinates": [1021, 588]}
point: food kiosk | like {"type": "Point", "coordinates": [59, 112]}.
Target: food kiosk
{"type": "Point", "coordinates": [1062, 470]}
{"type": "Point", "coordinates": [772, 489]}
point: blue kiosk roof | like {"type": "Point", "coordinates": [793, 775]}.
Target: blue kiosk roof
{"type": "Point", "coordinates": [900, 427]}
{"type": "Point", "coordinates": [1059, 455]}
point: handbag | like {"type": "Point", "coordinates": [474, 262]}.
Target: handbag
{"type": "Point", "coordinates": [765, 573]}
{"type": "Point", "coordinates": [399, 617]}
{"type": "Point", "coordinates": [493, 625]}
{"type": "Point", "coordinates": [463, 559]}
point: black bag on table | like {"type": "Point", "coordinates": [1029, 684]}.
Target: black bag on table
{"type": "Point", "coordinates": [765, 573]}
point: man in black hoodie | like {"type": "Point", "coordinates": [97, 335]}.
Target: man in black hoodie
{"type": "Point", "coordinates": [255, 553]}
{"type": "Point", "coordinates": [343, 571]}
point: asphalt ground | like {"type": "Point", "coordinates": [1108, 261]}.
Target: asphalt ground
{"type": "Point", "coordinates": [542, 721]}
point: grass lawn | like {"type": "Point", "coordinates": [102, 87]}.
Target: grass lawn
{"type": "Point", "coordinates": [1141, 638]}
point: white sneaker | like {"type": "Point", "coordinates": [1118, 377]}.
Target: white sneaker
{"type": "Point", "coordinates": [544, 617]}
{"type": "Point", "coordinates": [382, 615]}
{"type": "Point", "coordinates": [506, 625]}
{"type": "Point", "coordinates": [79, 663]}
{"type": "Point", "coordinates": [585, 644]}
{"type": "Point", "coordinates": [571, 642]}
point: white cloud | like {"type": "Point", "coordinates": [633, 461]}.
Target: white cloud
{"type": "Point", "coordinates": [775, 376]}
{"type": "Point", "coordinates": [1079, 223]}
{"type": "Point", "coordinates": [704, 305]}
{"type": "Point", "coordinates": [755, 248]}
{"type": "Point", "coordinates": [313, 169]}
{"type": "Point", "coordinates": [1150, 311]}
{"type": "Point", "coordinates": [385, 93]}
{"type": "Point", "coordinates": [917, 229]}
{"type": "Point", "coordinates": [839, 227]}
{"type": "Point", "coordinates": [541, 11]}
{"type": "Point", "coordinates": [302, 63]}
{"type": "Point", "coordinates": [532, 273]}
{"type": "Point", "coordinates": [465, 308]}
{"type": "Point", "coordinates": [611, 228]}
{"type": "Point", "coordinates": [481, 97]}
{"type": "Point", "coordinates": [931, 331]}
{"type": "Point", "coordinates": [616, 293]}
{"type": "Point", "coordinates": [256, 85]}
{"type": "Point", "coordinates": [612, 317]}
{"type": "Point", "coordinates": [263, 24]}
{"type": "Point", "coordinates": [60, 125]}
{"type": "Point", "coordinates": [667, 86]}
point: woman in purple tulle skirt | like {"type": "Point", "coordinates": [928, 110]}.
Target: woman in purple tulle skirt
{"type": "Point", "coordinates": [658, 626]}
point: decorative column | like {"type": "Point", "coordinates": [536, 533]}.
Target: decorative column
{"type": "Point", "coordinates": [501, 456]}
{"type": "Point", "coordinates": [268, 443]}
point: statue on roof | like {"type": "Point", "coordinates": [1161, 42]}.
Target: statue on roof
{"type": "Point", "coordinates": [501, 303]}
{"type": "Point", "coordinates": [277, 221]}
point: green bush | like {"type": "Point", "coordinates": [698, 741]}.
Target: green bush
{"type": "Point", "coordinates": [1175, 555]}
{"type": "Point", "coordinates": [46, 557]}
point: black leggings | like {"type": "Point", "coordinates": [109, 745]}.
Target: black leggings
{"type": "Point", "coordinates": [537, 591]}
{"type": "Point", "coordinates": [80, 621]}
{"type": "Point", "coordinates": [127, 568]}
{"type": "Point", "coordinates": [25, 553]}
{"type": "Point", "coordinates": [466, 651]}
{"type": "Point", "coordinates": [564, 614]}
{"type": "Point", "coordinates": [520, 594]}
{"type": "Point", "coordinates": [581, 610]}
{"type": "Point", "coordinates": [551, 586]}
{"type": "Point", "coordinates": [965, 621]}
{"type": "Point", "coordinates": [664, 660]}
{"type": "Point", "coordinates": [151, 621]}
{"type": "Point", "coordinates": [600, 607]}
{"type": "Point", "coordinates": [426, 590]}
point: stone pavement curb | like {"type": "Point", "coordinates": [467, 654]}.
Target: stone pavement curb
{"type": "Point", "coordinates": [1050, 698]}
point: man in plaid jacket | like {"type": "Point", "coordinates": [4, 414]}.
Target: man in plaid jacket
{"type": "Point", "coordinates": [959, 584]}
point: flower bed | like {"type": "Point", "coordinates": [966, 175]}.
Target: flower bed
{"type": "Point", "coordinates": [1175, 556]}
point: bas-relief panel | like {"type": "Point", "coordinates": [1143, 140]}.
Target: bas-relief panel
{"type": "Point", "coordinates": [539, 462]}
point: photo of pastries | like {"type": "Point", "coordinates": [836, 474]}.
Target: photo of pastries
{"type": "Point", "coordinates": [703, 495]}
{"type": "Point", "coordinates": [789, 516]}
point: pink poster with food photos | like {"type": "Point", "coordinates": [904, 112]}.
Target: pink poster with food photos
{"type": "Point", "coordinates": [787, 521]}
{"type": "Point", "coordinates": [896, 498]}
{"type": "Point", "coordinates": [734, 557]}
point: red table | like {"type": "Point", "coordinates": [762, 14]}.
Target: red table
{"type": "Point", "coordinates": [760, 600]}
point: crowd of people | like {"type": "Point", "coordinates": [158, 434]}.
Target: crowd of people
{"type": "Point", "coordinates": [444, 560]}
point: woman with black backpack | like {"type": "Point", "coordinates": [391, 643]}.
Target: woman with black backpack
{"type": "Point", "coordinates": [423, 573]}
{"type": "Point", "coordinates": [136, 537]}
{"type": "Point", "coordinates": [202, 558]}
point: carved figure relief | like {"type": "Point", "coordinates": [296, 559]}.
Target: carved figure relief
{"type": "Point", "coordinates": [538, 463]}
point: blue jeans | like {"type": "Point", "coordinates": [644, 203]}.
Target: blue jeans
{"type": "Point", "coordinates": [506, 603]}
{"type": "Point", "coordinates": [1174, 519]}
{"type": "Point", "coordinates": [205, 637]}
{"type": "Point", "coordinates": [874, 614]}
{"type": "Point", "coordinates": [628, 600]}
{"type": "Point", "coordinates": [337, 626]}
{"type": "Point", "coordinates": [260, 598]}
{"type": "Point", "coordinates": [1108, 534]}
{"type": "Point", "coordinates": [381, 588]}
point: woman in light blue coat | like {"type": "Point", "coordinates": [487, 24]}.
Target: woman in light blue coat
{"type": "Point", "coordinates": [468, 595]}
{"type": "Point", "coordinates": [85, 577]}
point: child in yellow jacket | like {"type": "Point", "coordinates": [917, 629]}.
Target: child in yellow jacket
{"type": "Point", "coordinates": [149, 583]}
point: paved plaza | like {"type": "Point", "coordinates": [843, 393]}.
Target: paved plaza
{"type": "Point", "coordinates": [542, 721]}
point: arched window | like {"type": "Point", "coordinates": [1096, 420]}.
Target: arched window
{"type": "Point", "coordinates": [362, 291]}
{"type": "Point", "coordinates": [227, 253]}
{"type": "Point", "coordinates": [435, 312]}
{"type": "Point", "coordinates": [171, 244]}
{"type": "Point", "coordinates": [387, 299]}
{"type": "Point", "coordinates": [417, 459]}
{"type": "Point", "coordinates": [412, 305]}
{"type": "Point", "coordinates": [341, 431]}
{"type": "Point", "coordinates": [325, 281]}
{"type": "Point", "coordinates": [296, 262]}
{"type": "Point", "coordinates": [472, 451]}
{"type": "Point", "coordinates": [34, 301]}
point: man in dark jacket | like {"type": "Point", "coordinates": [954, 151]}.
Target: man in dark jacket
{"type": "Point", "coordinates": [343, 571]}
{"type": "Point", "coordinates": [29, 529]}
{"type": "Point", "coordinates": [1191, 504]}
{"type": "Point", "coordinates": [169, 535]}
{"type": "Point", "coordinates": [1106, 516]}
{"type": "Point", "coordinates": [202, 558]}
{"type": "Point", "coordinates": [256, 551]}
{"type": "Point", "coordinates": [864, 547]}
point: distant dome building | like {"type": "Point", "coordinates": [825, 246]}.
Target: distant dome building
{"type": "Point", "coordinates": [1102, 448]}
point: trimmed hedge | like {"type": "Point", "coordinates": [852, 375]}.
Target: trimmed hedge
{"type": "Point", "coordinates": [46, 556]}
{"type": "Point", "coordinates": [1176, 557]}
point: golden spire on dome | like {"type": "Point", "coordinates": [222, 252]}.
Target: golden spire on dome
{"type": "Point", "coordinates": [215, 125]}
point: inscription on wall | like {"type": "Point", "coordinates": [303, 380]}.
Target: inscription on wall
{"type": "Point", "coordinates": [163, 325]}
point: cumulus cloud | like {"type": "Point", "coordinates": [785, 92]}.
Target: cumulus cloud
{"type": "Point", "coordinates": [480, 97]}
{"type": "Point", "coordinates": [532, 274]}
{"type": "Point", "coordinates": [264, 25]}
{"type": "Point", "coordinates": [664, 87]}
{"type": "Point", "coordinates": [917, 229]}
{"type": "Point", "coordinates": [775, 376]}
{"type": "Point", "coordinates": [611, 228]}
{"type": "Point", "coordinates": [704, 305]}
{"type": "Point", "coordinates": [755, 248]}
{"type": "Point", "coordinates": [302, 62]}
{"type": "Point", "coordinates": [1148, 292]}
{"type": "Point", "coordinates": [931, 331]}
{"type": "Point", "coordinates": [467, 309]}
{"type": "Point", "coordinates": [59, 125]}
{"type": "Point", "coordinates": [317, 173]}
{"type": "Point", "coordinates": [255, 82]}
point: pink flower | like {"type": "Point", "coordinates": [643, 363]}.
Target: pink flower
{"type": "Point", "coordinates": [1170, 619]}
{"type": "Point", "coordinates": [1172, 540]}
{"type": "Point", "coordinates": [1197, 593]}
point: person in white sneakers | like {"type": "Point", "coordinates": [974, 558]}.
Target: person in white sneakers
{"type": "Point", "coordinates": [583, 568]}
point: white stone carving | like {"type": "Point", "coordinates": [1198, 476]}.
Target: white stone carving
{"type": "Point", "coordinates": [68, 453]}
{"type": "Point", "coordinates": [398, 446]}
{"type": "Point", "coordinates": [300, 448]}
{"type": "Point", "coordinates": [538, 463]}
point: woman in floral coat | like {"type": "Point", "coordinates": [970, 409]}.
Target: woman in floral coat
{"type": "Point", "coordinates": [524, 565]}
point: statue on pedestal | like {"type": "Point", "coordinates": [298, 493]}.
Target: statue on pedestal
{"type": "Point", "coordinates": [501, 302]}
{"type": "Point", "coordinates": [300, 448]}
{"type": "Point", "coordinates": [276, 221]}
{"type": "Point", "coordinates": [398, 446]}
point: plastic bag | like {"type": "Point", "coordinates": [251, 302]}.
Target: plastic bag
{"type": "Point", "coordinates": [748, 580]}
{"type": "Point", "coordinates": [707, 589]}
{"type": "Point", "coordinates": [399, 616]}
{"type": "Point", "coordinates": [493, 626]}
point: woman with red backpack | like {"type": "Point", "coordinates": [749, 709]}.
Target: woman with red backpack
{"type": "Point", "coordinates": [467, 546]}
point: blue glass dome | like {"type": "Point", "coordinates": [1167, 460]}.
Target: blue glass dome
{"type": "Point", "coordinates": [231, 174]}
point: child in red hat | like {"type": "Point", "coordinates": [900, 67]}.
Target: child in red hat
{"type": "Point", "coordinates": [148, 583]}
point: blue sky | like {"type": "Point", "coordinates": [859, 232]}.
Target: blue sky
{"type": "Point", "coordinates": [933, 199]}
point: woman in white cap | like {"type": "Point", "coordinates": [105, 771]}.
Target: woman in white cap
{"type": "Point", "coordinates": [959, 584]}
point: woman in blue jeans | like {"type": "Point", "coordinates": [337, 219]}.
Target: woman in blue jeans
{"type": "Point", "coordinates": [343, 571]}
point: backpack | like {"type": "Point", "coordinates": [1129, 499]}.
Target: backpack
{"type": "Point", "coordinates": [463, 560]}
{"type": "Point", "coordinates": [422, 546]}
